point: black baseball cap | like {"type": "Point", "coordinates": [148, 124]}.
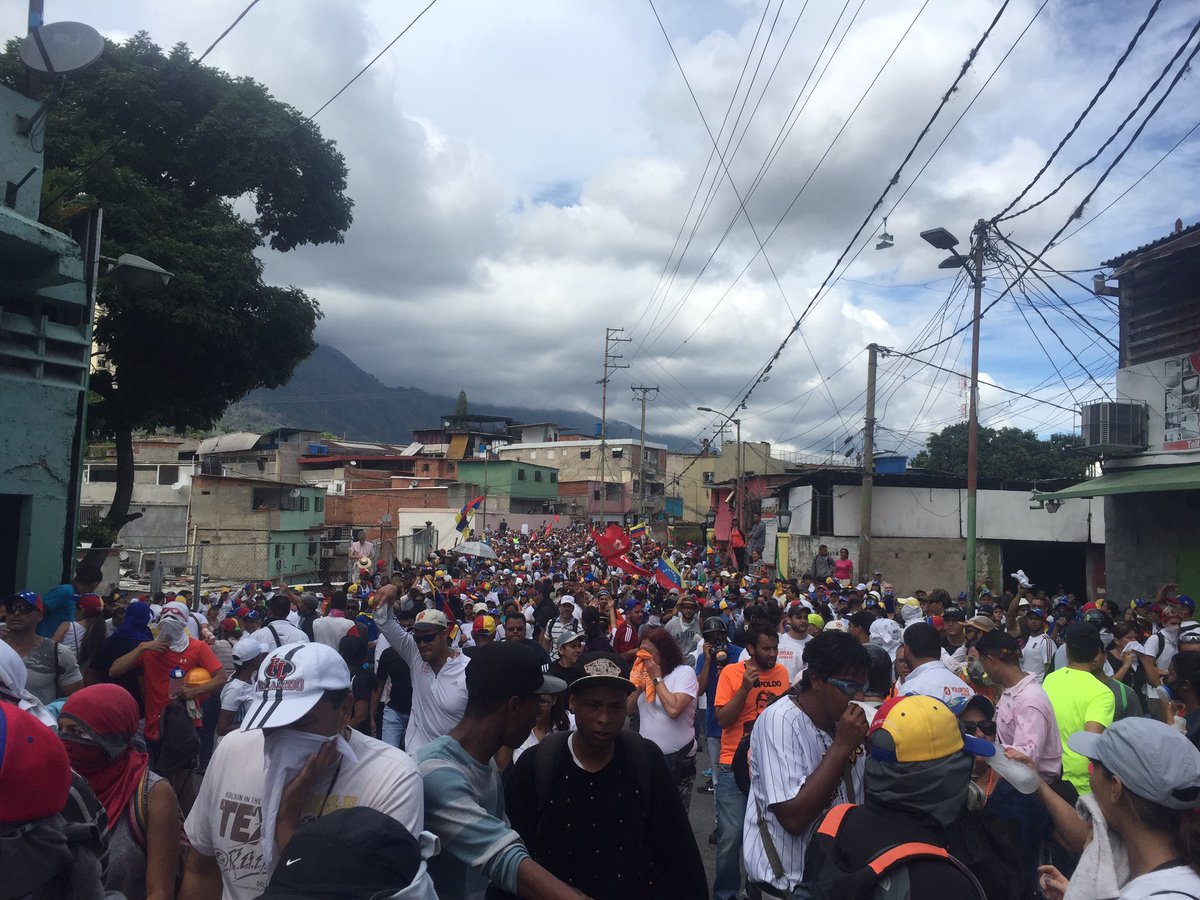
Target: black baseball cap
{"type": "Point", "coordinates": [509, 669]}
{"type": "Point", "coordinates": [324, 858]}
{"type": "Point", "coordinates": [599, 668]}
{"type": "Point", "coordinates": [954, 612]}
{"type": "Point", "coordinates": [1083, 639]}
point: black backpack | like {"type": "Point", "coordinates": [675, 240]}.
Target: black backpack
{"type": "Point", "coordinates": [179, 742]}
{"type": "Point", "coordinates": [827, 880]}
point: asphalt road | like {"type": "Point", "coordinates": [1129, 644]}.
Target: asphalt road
{"type": "Point", "coordinates": [703, 820]}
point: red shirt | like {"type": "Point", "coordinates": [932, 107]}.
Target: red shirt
{"type": "Point", "coordinates": [156, 672]}
{"type": "Point", "coordinates": [625, 638]}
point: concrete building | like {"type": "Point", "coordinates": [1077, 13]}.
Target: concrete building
{"type": "Point", "coordinates": [274, 455]}
{"type": "Point", "coordinates": [692, 476]}
{"type": "Point", "coordinates": [162, 490]}
{"type": "Point", "coordinates": [580, 466]}
{"type": "Point", "coordinates": [45, 342]}
{"type": "Point", "coordinates": [251, 528]}
{"type": "Point", "coordinates": [918, 538]}
{"type": "Point", "coordinates": [511, 486]}
{"type": "Point", "coordinates": [1148, 439]}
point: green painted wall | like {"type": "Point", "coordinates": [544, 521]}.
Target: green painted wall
{"type": "Point", "coordinates": [504, 478]}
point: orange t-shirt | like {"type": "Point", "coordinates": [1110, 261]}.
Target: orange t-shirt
{"type": "Point", "coordinates": [770, 685]}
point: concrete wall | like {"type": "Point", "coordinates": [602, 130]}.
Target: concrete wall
{"type": "Point", "coordinates": [164, 521]}
{"type": "Point", "coordinates": [1146, 534]}
{"type": "Point", "coordinates": [35, 449]}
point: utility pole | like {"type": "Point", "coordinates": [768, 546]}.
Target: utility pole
{"type": "Point", "coordinates": [980, 236]}
{"type": "Point", "coordinates": [868, 479]}
{"type": "Point", "coordinates": [642, 450]}
{"type": "Point", "coordinates": [610, 365]}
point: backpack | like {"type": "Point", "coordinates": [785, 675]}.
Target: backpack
{"type": "Point", "coordinates": [179, 741]}
{"type": "Point", "coordinates": [827, 880]}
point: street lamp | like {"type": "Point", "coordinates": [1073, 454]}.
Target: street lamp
{"type": "Point", "coordinates": [135, 273]}
{"type": "Point", "coordinates": [738, 423]}
{"type": "Point", "coordinates": [784, 520]}
{"type": "Point", "coordinates": [944, 240]}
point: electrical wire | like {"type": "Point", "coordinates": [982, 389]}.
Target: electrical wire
{"type": "Point", "coordinates": [1112, 137]}
{"type": "Point", "coordinates": [374, 60]}
{"type": "Point", "coordinates": [225, 33]}
{"type": "Point", "coordinates": [1086, 110]}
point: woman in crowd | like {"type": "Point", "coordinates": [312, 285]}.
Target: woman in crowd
{"type": "Point", "coordinates": [98, 726]}
{"type": "Point", "coordinates": [666, 706]}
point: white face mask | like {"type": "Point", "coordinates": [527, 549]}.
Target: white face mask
{"type": "Point", "coordinates": [285, 753]}
{"type": "Point", "coordinates": [173, 633]}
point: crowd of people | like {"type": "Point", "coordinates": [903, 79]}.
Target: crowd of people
{"type": "Point", "coordinates": [546, 723]}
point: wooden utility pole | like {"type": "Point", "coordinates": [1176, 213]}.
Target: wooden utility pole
{"type": "Point", "coordinates": [610, 365]}
{"type": "Point", "coordinates": [868, 479]}
{"type": "Point", "coordinates": [644, 391]}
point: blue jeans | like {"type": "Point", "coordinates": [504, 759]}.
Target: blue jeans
{"type": "Point", "coordinates": [394, 726]}
{"type": "Point", "coordinates": [731, 810]}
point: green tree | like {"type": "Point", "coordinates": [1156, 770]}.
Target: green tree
{"type": "Point", "coordinates": [460, 406]}
{"type": "Point", "coordinates": [1005, 454]}
{"type": "Point", "coordinates": [166, 147]}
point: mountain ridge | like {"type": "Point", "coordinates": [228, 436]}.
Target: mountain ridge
{"type": "Point", "coordinates": [329, 392]}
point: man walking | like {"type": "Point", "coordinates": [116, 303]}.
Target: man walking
{"type": "Point", "coordinates": [294, 759]}
{"type": "Point", "coordinates": [277, 630]}
{"type": "Point", "coordinates": [634, 822]}
{"type": "Point", "coordinates": [1081, 701]}
{"type": "Point", "coordinates": [684, 627]}
{"type": "Point", "coordinates": [464, 799]}
{"type": "Point", "coordinates": [921, 649]}
{"type": "Point", "coordinates": [439, 680]}
{"type": "Point", "coordinates": [51, 669]}
{"type": "Point", "coordinates": [822, 566]}
{"type": "Point", "coordinates": [743, 691]}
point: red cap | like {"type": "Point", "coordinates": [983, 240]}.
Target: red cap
{"type": "Point", "coordinates": [1087, 606]}
{"type": "Point", "coordinates": [35, 774]}
{"type": "Point", "coordinates": [242, 611]}
{"type": "Point", "coordinates": [229, 626]}
{"type": "Point", "coordinates": [91, 604]}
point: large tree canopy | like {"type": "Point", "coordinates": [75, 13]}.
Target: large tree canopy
{"type": "Point", "coordinates": [1005, 454]}
{"type": "Point", "coordinates": [166, 148]}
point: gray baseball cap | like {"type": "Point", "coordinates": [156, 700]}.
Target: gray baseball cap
{"type": "Point", "coordinates": [1152, 759]}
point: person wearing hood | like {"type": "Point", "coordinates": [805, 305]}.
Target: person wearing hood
{"type": "Point", "coordinates": [917, 775]}
{"type": "Point", "coordinates": [13, 675]}
{"type": "Point", "coordinates": [173, 649]}
{"type": "Point", "coordinates": [133, 630]}
{"type": "Point", "coordinates": [98, 727]}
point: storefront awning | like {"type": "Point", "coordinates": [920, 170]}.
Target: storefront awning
{"type": "Point", "coordinates": [1132, 481]}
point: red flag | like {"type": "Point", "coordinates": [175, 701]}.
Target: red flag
{"type": "Point", "coordinates": [547, 531]}
{"type": "Point", "coordinates": [623, 562]}
{"type": "Point", "coordinates": [612, 543]}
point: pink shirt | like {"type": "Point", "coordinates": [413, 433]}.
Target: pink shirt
{"type": "Point", "coordinates": [842, 569]}
{"type": "Point", "coordinates": [1025, 721]}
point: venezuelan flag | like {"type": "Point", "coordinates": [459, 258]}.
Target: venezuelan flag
{"type": "Point", "coordinates": [462, 520]}
{"type": "Point", "coordinates": [667, 575]}
{"type": "Point", "coordinates": [639, 531]}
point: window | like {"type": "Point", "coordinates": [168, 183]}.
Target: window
{"type": "Point", "coordinates": [168, 474]}
{"type": "Point", "coordinates": [533, 454]}
{"type": "Point", "coordinates": [549, 454]}
{"type": "Point", "coordinates": [318, 506]}
{"type": "Point", "coordinates": [279, 551]}
{"type": "Point", "coordinates": [520, 474]}
{"type": "Point", "coordinates": [264, 498]}
{"type": "Point", "coordinates": [595, 495]}
{"type": "Point", "coordinates": [424, 467]}
{"type": "Point", "coordinates": [98, 474]}
{"type": "Point", "coordinates": [585, 454]}
{"type": "Point", "coordinates": [537, 476]}
{"type": "Point", "coordinates": [312, 549]}
{"type": "Point", "coordinates": [617, 454]}
{"type": "Point", "coordinates": [554, 478]}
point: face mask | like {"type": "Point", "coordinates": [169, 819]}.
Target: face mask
{"type": "Point", "coordinates": [174, 634]}
{"type": "Point", "coordinates": [86, 757]}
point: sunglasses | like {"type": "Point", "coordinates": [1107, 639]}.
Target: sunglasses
{"type": "Point", "coordinates": [23, 608]}
{"type": "Point", "coordinates": [846, 686]}
{"type": "Point", "coordinates": [425, 637]}
{"type": "Point", "coordinates": [987, 727]}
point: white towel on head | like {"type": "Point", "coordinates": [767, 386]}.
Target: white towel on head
{"type": "Point", "coordinates": [1104, 865]}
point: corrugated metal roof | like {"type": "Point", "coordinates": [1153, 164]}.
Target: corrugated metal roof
{"type": "Point", "coordinates": [1129, 254]}
{"type": "Point", "coordinates": [235, 442]}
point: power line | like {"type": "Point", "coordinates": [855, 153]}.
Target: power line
{"type": "Point", "coordinates": [376, 58]}
{"type": "Point", "coordinates": [895, 178]}
{"type": "Point", "coordinates": [1083, 115]}
{"type": "Point", "coordinates": [1112, 137]}
{"type": "Point", "coordinates": [223, 34]}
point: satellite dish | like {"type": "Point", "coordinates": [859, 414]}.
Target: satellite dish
{"type": "Point", "coordinates": [61, 47]}
{"type": "Point", "coordinates": [413, 483]}
{"type": "Point", "coordinates": [178, 485]}
{"type": "Point", "coordinates": [123, 556]}
{"type": "Point", "coordinates": [294, 493]}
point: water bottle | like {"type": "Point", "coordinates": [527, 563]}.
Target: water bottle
{"type": "Point", "coordinates": [1019, 775]}
{"type": "Point", "coordinates": [175, 682]}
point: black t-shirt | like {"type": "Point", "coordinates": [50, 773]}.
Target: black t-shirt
{"type": "Point", "coordinates": [362, 685]}
{"type": "Point", "coordinates": [599, 835]}
{"type": "Point", "coordinates": [557, 670]}
{"type": "Point", "coordinates": [393, 668]}
{"type": "Point", "coordinates": [109, 652]}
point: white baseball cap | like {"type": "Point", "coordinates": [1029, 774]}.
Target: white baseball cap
{"type": "Point", "coordinates": [431, 618]}
{"type": "Point", "coordinates": [246, 649]}
{"type": "Point", "coordinates": [290, 682]}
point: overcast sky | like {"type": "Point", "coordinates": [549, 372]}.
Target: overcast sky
{"type": "Point", "coordinates": [521, 170]}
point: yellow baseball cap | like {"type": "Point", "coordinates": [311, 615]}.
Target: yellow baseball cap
{"type": "Point", "coordinates": [917, 728]}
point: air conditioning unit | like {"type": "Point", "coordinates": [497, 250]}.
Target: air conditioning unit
{"type": "Point", "coordinates": [337, 488]}
{"type": "Point", "coordinates": [1115, 428]}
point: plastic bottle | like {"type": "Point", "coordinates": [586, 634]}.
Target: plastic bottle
{"type": "Point", "coordinates": [175, 682]}
{"type": "Point", "coordinates": [1016, 773]}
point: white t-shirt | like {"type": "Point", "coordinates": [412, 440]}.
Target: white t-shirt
{"type": "Point", "coordinates": [933, 679]}
{"type": "Point", "coordinates": [671, 734]}
{"type": "Point", "coordinates": [438, 698]}
{"type": "Point", "coordinates": [329, 630]}
{"type": "Point", "coordinates": [1175, 883]}
{"type": "Point", "coordinates": [791, 655]}
{"type": "Point", "coordinates": [287, 632]}
{"type": "Point", "coordinates": [234, 694]}
{"type": "Point", "coordinates": [1037, 655]}
{"type": "Point", "coordinates": [785, 748]}
{"type": "Point", "coordinates": [227, 816]}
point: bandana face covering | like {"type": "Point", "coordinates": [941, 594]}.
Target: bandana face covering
{"type": "Point", "coordinates": [286, 752]}
{"type": "Point", "coordinates": [173, 633]}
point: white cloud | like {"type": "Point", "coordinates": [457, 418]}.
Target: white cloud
{"type": "Point", "coordinates": [521, 171]}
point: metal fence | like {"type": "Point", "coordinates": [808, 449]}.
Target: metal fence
{"type": "Point", "coordinates": [208, 565]}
